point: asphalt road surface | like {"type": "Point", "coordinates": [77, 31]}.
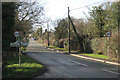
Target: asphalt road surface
{"type": "Point", "coordinates": [66, 66]}
{"type": "Point", "coordinates": [0, 70]}
{"type": "Point", "coordinates": [0, 65]}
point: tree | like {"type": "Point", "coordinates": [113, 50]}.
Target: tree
{"type": "Point", "coordinates": [82, 35]}
{"type": "Point", "coordinates": [30, 11]}
{"type": "Point", "coordinates": [8, 15]}
{"type": "Point", "coordinates": [27, 14]}
{"type": "Point", "coordinates": [39, 32]}
{"type": "Point", "coordinates": [112, 16]}
{"type": "Point", "coordinates": [110, 19]}
{"type": "Point", "coordinates": [61, 30]}
{"type": "Point", "coordinates": [97, 16]}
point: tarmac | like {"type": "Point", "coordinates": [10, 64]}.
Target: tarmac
{"type": "Point", "coordinates": [86, 57]}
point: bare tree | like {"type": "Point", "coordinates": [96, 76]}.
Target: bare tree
{"type": "Point", "coordinates": [29, 13]}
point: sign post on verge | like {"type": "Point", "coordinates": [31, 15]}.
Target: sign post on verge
{"type": "Point", "coordinates": [108, 34]}
{"type": "Point", "coordinates": [17, 35]}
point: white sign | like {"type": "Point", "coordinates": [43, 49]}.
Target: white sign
{"type": "Point", "coordinates": [16, 33]}
{"type": "Point", "coordinates": [108, 34]}
{"type": "Point", "coordinates": [17, 44]}
{"type": "Point", "coordinates": [14, 44]}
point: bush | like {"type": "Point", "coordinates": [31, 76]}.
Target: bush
{"type": "Point", "coordinates": [107, 46]}
{"type": "Point", "coordinates": [23, 48]}
{"type": "Point", "coordinates": [56, 43]}
{"type": "Point", "coordinates": [99, 52]}
{"type": "Point", "coordinates": [95, 44]}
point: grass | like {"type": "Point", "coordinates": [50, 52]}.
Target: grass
{"type": "Point", "coordinates": [100, 56]}
{"type": "Point", "coordinates": [27, 69]}
{"type": "Point", "coordinates": [23, 48]}
{"type": "Point", "coordinates": [45, 44]}
{"type": "Point", "coordinates": [96, 56]}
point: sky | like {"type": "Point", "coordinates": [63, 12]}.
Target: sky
{"type": "Point", "coordinates": [57, 9]}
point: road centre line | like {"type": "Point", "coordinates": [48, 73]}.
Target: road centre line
{"type": "Point", "coordinates": [58, 51]}
{"type": "Point", "coordinates": [45, 74]}
{"type": "Point", "coordinates": [110, 71]}
{"type": "Point", "coordinates": [79, 63]}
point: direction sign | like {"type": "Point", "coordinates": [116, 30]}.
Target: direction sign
{"type": "Point", "coordinates": [17, 44]}
{"type": "Point", "coordinates": [14, 44]}
{"type": "Point", "coordinates": [16, 33]}
{"type": "Point", "coordinates": [108, 34]}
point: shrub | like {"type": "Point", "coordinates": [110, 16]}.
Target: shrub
{"type": "Point", "coordinates": [99, 52]}
{"type": "Point", "coordinates": [56, 43]}
{"type": "Point", "coordinates": [107, 46]}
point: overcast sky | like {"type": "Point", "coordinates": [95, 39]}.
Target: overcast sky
{"type": "Point", "coordinates": [57, 9]}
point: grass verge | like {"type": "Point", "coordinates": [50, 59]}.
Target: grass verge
{"type": "Point", "coordinates": [101, 57]}
{"type": "Point", "coordinates": [96, 56]}
{"type": "Point", "coordinates": [29, 68]}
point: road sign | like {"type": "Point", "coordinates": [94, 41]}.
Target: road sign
{"type": "Point", "coordinates": [108, 34]}
{"type": "Point", "coordinates": [16, 33]}
{"type": "Point", "coordinates": [17, 44]}
{"type": "Point", "coordinates": [14, 44]}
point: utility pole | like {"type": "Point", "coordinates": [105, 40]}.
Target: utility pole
{"type": "Point", "coordinates": [48, 33]}
{"type": "Point", "coordinates": [69, 30]}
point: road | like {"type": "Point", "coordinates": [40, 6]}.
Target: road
{"type": "Point", "coordinates": [66, 66]}
{"type": "Point", "coordinates": [0, 68]}
{"type": "Point", "coordinates": [0, 63]}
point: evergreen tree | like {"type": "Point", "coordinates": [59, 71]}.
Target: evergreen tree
{"type": "Point", "coordinates": [61, 30]}
{"type": "Point", "coordinates": [8, 22]}
{"type": "Point", "coordinates": [98, 19]}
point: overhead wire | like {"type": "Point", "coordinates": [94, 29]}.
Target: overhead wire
{"type": "Point", "coordinates": [85, 6]}
{"type": "Point", "coordinates": [64, 15]}
{"type": "Point", "coordinates": [88, 7]}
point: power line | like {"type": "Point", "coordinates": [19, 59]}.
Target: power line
{"type": "Point", "coordinates": [85, 6]}
{"type": "Point", "coordinates": [64, 15]}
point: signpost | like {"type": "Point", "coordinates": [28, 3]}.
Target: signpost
{"type": "Point", "coordinates": [19, 49]}
{"type": "Point", "coordinates": [17, 34]}
{"type": "Point", "coordinates": [18, 43]}
{"type": "Point", "coordinates": [14, 44]}
{"type": "Point", "coordinates": [108, 34]}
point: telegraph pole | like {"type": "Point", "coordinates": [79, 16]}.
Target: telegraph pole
{"type": "Point", "coordinates": [69, 30]}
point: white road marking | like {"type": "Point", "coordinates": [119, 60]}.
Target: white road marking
{"type": "Point", "coordinates": [58, 51]}
{"type": "Point", "coordinates": [79, 63]}
{"type": "Point", "coordinates": [45, 74]}
{"type": "Point", "coordinates": [52, 49]}
{"type": "Point", "coordinates": [48, 48]}
{"type": "Point", "coordinates": [110, 71]}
